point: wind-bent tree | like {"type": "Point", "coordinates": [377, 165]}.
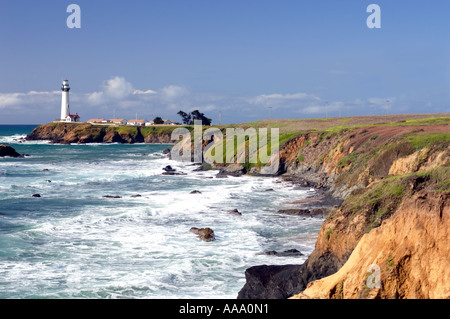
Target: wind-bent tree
{"type": "Point", "coordinates": [186, 118]}
{"type": "Point", "coordinates": [189, 118]}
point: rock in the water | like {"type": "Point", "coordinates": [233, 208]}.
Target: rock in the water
{"type": "Point", "coordinates": [272, 282]}
{"type": "Point", "coordinates": [205, 234]}
{"type": "Point", "coordinates": [232, 170]}
{"type": "Point", "coordinates": [166, 151]}
{"type": "Point", "coordinates": [6, 150]}
{"type": "Point", "coordinates": [136, 196]}
{"type": "Point", "coordinates": [173, 173]}
{"type": "Point", "coordinates": [36, 195]}
{"type": "Point", "coordinates": [235, 212]}
{"type": "Point", "coordinates": [202, 167]}
{"type": "Point", "coordinates": [297, 212]}
{"type": "Point", "coordinates": [321, 212]}
{"type": "Point", "coordinates": [286, 253]}
{"type": "Point", "coordinates": [110, 196]}
{"type": "Point", "coordinates": [195, 192]}
{"type": "Point", "coordinates": [168, 170]}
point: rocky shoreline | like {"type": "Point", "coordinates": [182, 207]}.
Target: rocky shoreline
{"type": "Point", "coordinates": [394, 164]}
{"type": "Point", "coordinates": [366, 176]}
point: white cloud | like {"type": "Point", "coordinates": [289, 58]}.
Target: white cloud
{"type": "Point", "coordinates": [9, 99]}
{"type": "Point", "coordinates": [95, 98]}
{"type": "Point", "coordinates": [117, 87]}
{"type": "Point", "coordinates": [173, 92]}
{"type": "Point", "coordinates": [15, 100]}
{"type": "Point", "coordinates": [140, 92]}
{"type": "Point", "coordinates": [283, 100]}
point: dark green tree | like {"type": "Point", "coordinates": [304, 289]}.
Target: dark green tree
{"type": "Point", "coordinates": [185, 118]}
{"type": "Point", "coordinates": [158, 120]}
{"type": "Point", "coordinates": [189, 118]}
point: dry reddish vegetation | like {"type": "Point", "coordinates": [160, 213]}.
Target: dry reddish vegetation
{"type": "Point", "coordinates": [301, 125]}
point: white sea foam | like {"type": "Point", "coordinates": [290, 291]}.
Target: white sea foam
{"type": "Point", "coordinates": [76, 243]}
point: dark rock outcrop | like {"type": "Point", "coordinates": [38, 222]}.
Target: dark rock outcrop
{"type": "Point", "coordinates": [321, 212]}
{"type": "Point", "coordinates": [271, 282]}
{"type": "Point", "coordinates": [286, 253]}
{"type": "Point", "coordinates": [235, 212]}
{"type": "Point", "coordinates": [6, 150]}
{"type": "Point", "coordinates": [296, 212]}
{"type": "Point", "coordinates": [281, 282]}
{"type": "Point", "coordinates": [231, 170]}
{"type": "Point", "coordinates": [169, 168]}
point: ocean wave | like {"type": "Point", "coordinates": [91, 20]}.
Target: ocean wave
{"type": "Point", "coordinates": [80, 244]}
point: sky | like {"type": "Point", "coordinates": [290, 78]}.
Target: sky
{"type": "Point", "coordinates": [247, 60]}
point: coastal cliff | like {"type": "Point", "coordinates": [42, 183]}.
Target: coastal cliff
{"type": "Point", "coordinates": [389, 181]}
{"type": "Point", "coordinates": [408, 254]}
{"type": "Point", "coordinates": [380, 172]}
{"type": "Point", "coordinates": [81, 133]}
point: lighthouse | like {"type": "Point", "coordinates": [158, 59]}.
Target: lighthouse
{"type": "Point", "coordinates": [65, 100]}
{"type": "Point", "coordinates": [65, 109]}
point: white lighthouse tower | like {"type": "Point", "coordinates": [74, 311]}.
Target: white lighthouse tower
{"type": "Point", "coordinates": [65, 101]}
{"type": "Point", "coordinates": [65, 108]}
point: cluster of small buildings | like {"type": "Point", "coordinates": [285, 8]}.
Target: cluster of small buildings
{"type": "Point", "coordinates": [130, 122]}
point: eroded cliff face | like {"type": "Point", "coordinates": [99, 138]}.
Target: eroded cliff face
{"type": "Point", "coordinates": [348, 159]}
{"type": "Point", "coordinates": [406, 257]}
{"type": "Point", "coordinates": [375, 170]}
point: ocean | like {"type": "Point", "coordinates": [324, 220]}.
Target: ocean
{"type": "Point", "coordinates": [73, 242]}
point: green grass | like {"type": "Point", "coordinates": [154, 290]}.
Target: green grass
{"type": "Point", "coordinates": [429, 121]}
{"type": "Point", "coordinates": [379, 201]}
{"type": "Point", "coordinates": [132, 130]}
{"type": "Point", "coordinates": [419, 141]}
{"type": "Point", "coordinates": [440, 176]}
{"type": "Point", "coordinates": [328, 234]}
{"type": "Point", "coordinates": [147, 130]}
{"type": "Point", "coordinates": [287, 137]}
{"type": "Point", "coordinates": [347, 160]}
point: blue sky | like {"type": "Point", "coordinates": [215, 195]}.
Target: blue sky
{"type": "Point", "coordinates": [249, 59]}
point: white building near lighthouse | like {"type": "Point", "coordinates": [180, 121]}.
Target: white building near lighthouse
{"type": "Point", "coordinates": [65, 105]}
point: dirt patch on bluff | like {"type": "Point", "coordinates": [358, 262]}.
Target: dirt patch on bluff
{"type": "Point", "coordinates": [378, 135]}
